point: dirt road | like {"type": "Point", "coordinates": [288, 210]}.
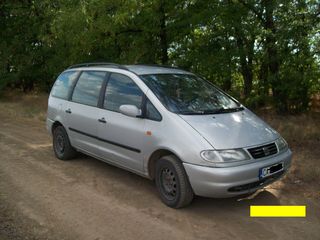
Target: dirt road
{"type": "Point", "coordinates": [44, 198]}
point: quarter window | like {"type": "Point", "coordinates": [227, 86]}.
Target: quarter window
{"type": "Point", "coordinates": [151, 112]}
{"type": "Point", "coordinates": [121, 90]}
{"type": "Point", "coordinates": [63, 84]}
{"type": "Point", "coordinates": [88, 87]}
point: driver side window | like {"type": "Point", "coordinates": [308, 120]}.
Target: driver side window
{"type": "Point", "coordinates": [121, 90]}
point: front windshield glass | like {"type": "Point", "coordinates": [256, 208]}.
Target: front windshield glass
{"type": "Point", "coordinates": [189, 94]}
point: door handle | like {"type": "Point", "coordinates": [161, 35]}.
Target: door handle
{"type": "Point", "coordinates": [68, 111]}
{"type": "Point", "coordinates": [102, 120]}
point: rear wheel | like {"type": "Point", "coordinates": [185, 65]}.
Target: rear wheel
{"type": "Point", "coordinates": [61, 144]}
{"type": "Point", "coordinates": [173, 183]}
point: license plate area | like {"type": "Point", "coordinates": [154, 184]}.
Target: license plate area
{"type": "Point", "coordinates": [270, 170]}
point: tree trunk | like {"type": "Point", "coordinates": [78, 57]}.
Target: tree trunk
{"type": "Point", "coordinates": [263, 77]}
{"type": "Point", "coordinates": [163, 33]}
{"type": "Point", "coordinates": [273, 58]}
{"type": "Point", "coordinates": [246, 57]}
{"type": "Point", "coordinates": [227, 84]}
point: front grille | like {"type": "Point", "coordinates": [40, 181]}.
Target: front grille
{"type": "Point", "coordinates": [258, 184]}
{"type": "Point", "coordinates": [263, 151]}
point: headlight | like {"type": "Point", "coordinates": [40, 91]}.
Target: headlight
{"type": "Point", "coordinates": [282, 144]}
{"type": "Point", "coordinates": [225, 156]}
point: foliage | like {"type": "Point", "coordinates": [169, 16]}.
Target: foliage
{"type": "Point", "coordinates": [256, 49]}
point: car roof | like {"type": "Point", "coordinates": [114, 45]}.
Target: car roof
{"type": "Point", "coordinates": [137, 69]}
{"type": "Point", "coordinates": [147, 69]}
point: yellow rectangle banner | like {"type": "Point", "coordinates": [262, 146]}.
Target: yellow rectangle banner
{"type": "Point", "coordinates": [277, 211]}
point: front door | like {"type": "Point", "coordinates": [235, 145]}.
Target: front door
{"type": "Point", "coordinates": [121, 137]}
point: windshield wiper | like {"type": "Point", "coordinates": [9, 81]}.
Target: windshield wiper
{"type": "Point", "coordinates": [224, 110]}
{"type": "Point", "coordinates": [207, 112]}
{"type": "Point", "coordinates": [191, 112]}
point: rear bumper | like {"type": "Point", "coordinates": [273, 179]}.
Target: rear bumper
{"type": "Point", "coordinates": [233, 181]}
{"type": "Point", "coordinates": [49, 124]}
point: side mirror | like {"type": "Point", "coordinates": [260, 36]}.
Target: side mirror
{"type": "Point", "coordinates": [130, 110]}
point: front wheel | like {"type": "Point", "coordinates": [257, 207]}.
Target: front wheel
{"type": "Point", "coordinates": [61, 144]}
{"type": "Point", "coordinates": [173, 183]}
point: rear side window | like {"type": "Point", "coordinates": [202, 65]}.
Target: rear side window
{"type": "Point", "coordinates": [63, 84]}
{"type": "Point", "coordinates": [121, 90]}
{"type": "Point", "coordinates": [88, 87]}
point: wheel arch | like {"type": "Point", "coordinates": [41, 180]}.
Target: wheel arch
{"type": "Point", "coordinates": [154, 157]}
{"type": "Point", "coordinates": [55, 125]}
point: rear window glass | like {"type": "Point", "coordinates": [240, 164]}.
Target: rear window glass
{"type": "Point", "coordinates": [88, 87]}
{"type": "Point", "coordinates": [63, 84]}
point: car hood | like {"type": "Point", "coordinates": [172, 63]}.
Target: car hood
{"type": "Point", "coordinates": [232, 130]}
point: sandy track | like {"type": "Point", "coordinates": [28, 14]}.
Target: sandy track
{"type": "Point", "coordinates": [44, 198]}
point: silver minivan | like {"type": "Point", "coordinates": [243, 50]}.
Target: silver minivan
{"type": "Point", "coordinates": [168, 125]}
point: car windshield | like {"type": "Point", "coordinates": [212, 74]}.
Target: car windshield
{"type": "Point", "coordinates": [189, 94]}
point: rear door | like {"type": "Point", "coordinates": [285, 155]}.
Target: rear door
{"type": "Point", "coordinates": [83, 113]}
{"type": "Point", "coordinates": [121, 137]}
{"type": "Point", "coordinates": [59, 96]}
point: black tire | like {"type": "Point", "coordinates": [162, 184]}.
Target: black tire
{"type": "Point", "coordinates": [172, 182]}
{"type": "Point", "coordinates": [61, 144]}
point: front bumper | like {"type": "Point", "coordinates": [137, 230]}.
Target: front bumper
{"type": "Point", "coordinates": [233, 181]}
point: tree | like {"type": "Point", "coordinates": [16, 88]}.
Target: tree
{"type": "Point", "coordinates": [256, 49]}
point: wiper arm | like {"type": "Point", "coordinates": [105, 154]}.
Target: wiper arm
{"type": "Point", "coordinates": [236, 109]}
